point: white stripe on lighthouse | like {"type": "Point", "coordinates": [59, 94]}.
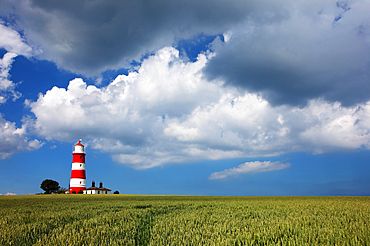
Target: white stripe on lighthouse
{"type": "Point", "coordinates": [77, 183]}
{"type": "Point", "coordinates": [78, 166]}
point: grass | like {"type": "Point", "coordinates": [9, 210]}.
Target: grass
{"type": "Point", "coordinates": [183, 220]}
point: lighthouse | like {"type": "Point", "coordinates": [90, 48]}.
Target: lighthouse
{"type": "Point", "coordinates": [78, 174]}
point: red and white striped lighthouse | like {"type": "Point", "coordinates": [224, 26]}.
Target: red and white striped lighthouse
{"type": "Point", "coordinates": [78, 174]}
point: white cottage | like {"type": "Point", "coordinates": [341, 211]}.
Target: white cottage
{"type": "Point", "coordinates": [96, 190]}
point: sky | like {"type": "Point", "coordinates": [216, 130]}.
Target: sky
{"type": "Point", "coordinates": [244, 98]}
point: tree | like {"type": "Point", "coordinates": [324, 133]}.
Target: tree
{"type": "Point", "coordinates": [116, 192]}
{"type": "Point", "coordinates": [49, 185]}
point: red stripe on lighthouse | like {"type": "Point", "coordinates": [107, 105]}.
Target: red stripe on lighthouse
{"type": "Point", "coordinates": [78, 174]}
{"type": "Point", "coordinates": [78, 157]}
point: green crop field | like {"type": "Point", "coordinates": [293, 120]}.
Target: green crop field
{"type": "Point", "coordinates": [183, 220]}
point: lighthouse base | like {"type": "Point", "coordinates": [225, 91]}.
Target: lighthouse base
{"type": "Point", "coordinates": [75, 190]}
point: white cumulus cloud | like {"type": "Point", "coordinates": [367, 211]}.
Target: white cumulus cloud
{"type": "Point", "coordinates": [12, 41]}
{"type": "Point", "coordinates": [168, 112]}
{"type": "Point", "coordinates": [15, 45]}
{"type": "Point", "coordinates": [14, 140]}
{"type": "Point", "coordinates": [6, 85]}
{"type": "Point", "coordinates": [249, 168]}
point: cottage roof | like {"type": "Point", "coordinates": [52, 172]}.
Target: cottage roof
{"type": "Point", "coordinates": [96, 188]}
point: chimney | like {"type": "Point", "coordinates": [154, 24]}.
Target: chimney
{"type": "Point", "coordinates": [101, 185]}
{"type": "Point", "coordinates": [93, 184]}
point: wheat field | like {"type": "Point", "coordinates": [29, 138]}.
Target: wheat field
{"type": "Point", "coordinates": [183, 220]}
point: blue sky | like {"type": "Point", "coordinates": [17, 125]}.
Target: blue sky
{"type": "Point", "coordinates": [173, 97]}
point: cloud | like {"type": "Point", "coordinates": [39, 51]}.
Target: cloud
{"type": "Point", "coordinates": [287, 51]}
{"type": "Point", "coordinates": [8, 194]}
{"type": "Point", "coordinates": [14, 140]}
{"type": "Point", "coordinates": [53, 147]}
{"type": "Point", "coordinates": [249, 168]}
{"type": "Point", "coordinates": [168, 112]}
{"type": "Point", "coordinates": [89, 37]}
{"type": "Point", "coordinates": [6, 85]}
{"type": "Point", "coordinates": [309, 54]}
{"type": "Point", "coordinates": [11, 41]}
